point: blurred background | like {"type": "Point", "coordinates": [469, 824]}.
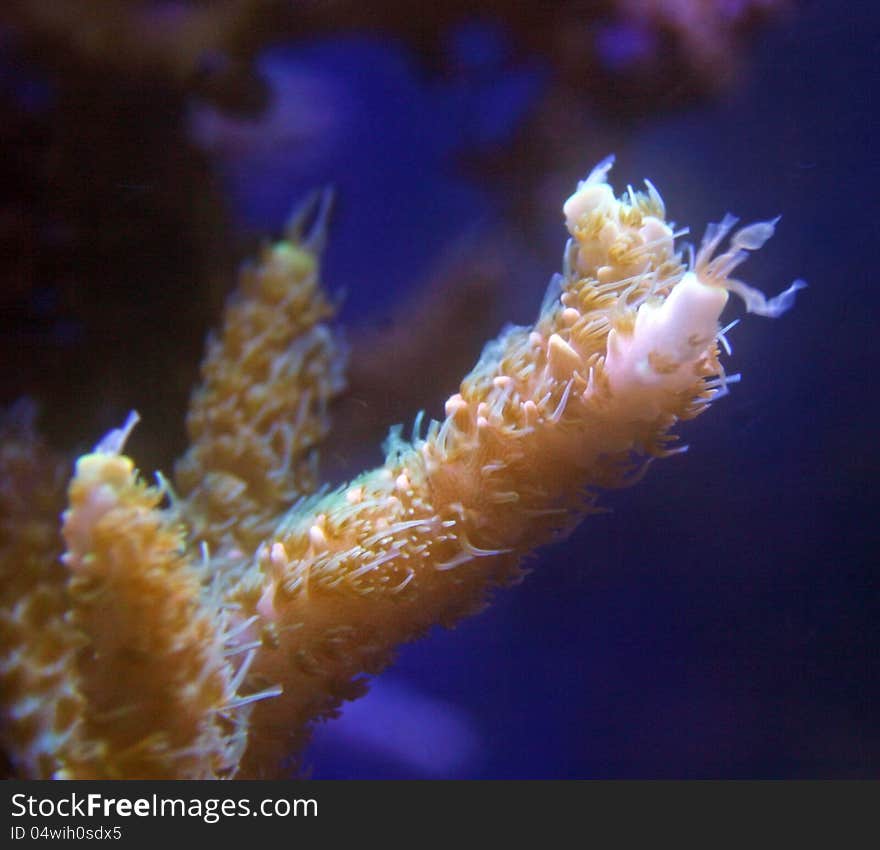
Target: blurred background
{"type": "Point", "coordinates": [722, 620]}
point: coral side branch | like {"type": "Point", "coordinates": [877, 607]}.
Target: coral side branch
{"type": "Point", "coordinates": [261, 408]}
{"type": "Point", "coordinates": [154, 673]}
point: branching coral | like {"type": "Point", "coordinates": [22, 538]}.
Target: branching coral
{"type": "Point", "coordinates": [205, 638]}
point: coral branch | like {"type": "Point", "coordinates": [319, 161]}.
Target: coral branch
{"type": "Point", "coordinates": [625, 346]}
{"type": "Point", "coordinates": [154, 670]}
{"type": "Point", "coordinates": [267, 382]}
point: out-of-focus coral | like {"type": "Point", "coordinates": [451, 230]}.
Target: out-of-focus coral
{"type": "Point", "coordinates": [205, 47]}
{"type": "Point", "coordinates": [210, 46]}
{"type": "Point", "coordinates": [707, 32]}
{"type": "Point", "coordinates": [452, 310]}
{"type": "Point", "coordinates": [203, 639]}
{"type": "Point", "coordinates": [645, 45]}
{"type": "Point", "coordinates": [39, 645]}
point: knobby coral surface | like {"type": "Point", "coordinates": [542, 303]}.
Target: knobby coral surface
{"type": "Point", "coordinates": [200, 630]}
